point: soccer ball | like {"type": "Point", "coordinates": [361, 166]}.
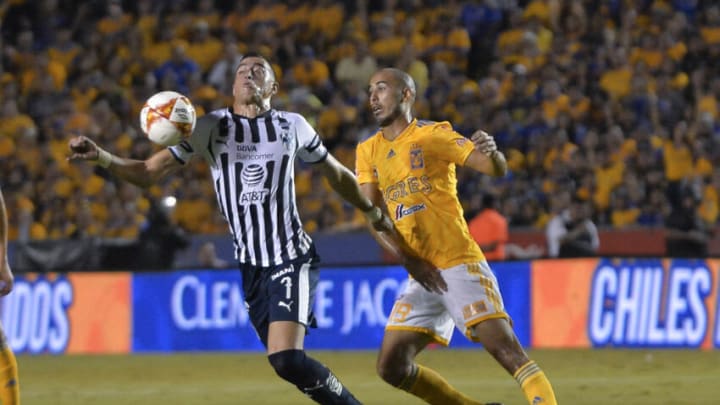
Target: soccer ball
{"type": "Point", "coordinates": [167, 118]}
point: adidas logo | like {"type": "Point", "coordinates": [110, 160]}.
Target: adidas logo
{"type": "Point", "coordinates": [390, 154]}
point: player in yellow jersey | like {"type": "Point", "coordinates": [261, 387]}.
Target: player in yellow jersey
{"type": "Point", "coordinates": [409, 166]}
{"type": "Point", "coordinates": [9, 388]}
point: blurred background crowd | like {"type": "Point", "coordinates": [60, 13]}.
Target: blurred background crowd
{"type": "Point", "coordinates": [612, 105]}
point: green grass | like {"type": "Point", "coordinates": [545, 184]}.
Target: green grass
{"type": "Point", "coordinates": [580, 377]}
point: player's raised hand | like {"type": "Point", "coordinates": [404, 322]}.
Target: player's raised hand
{"type": "Point", "coordinates": [82, 148]}
{"type": "Point", "coordinates": [483, 142]}
{"type": "Point", "coordinates": [426, 274]}
{"type": "Point", "coordinates": [6, 278]}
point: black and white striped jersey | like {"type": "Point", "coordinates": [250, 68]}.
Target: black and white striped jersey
{"type": "Point", "coordinates": [252, 165]}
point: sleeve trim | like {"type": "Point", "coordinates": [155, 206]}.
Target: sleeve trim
{"type": "Point", "coordinates": [322, 159]}
{"type": "Point", "coordinates": [175, 155]}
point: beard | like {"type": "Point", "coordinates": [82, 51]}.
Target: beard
{"type": "Point", "coordinates": [390, 118]}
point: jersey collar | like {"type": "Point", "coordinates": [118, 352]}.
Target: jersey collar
{"type": "Point", "coordinates": [409, 128]}
{"type": "Point", "coordinates": [267, 113]}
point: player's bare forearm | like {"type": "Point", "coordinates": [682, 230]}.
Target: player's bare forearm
{"type": "Point", "coordinates": [389, 239]}
{"type": "Point", "coordinates": [392, 241]}
{"type": "Point", "coordinates": [342, 180]}
{"type": "Point", "coordinates": [387, 243]}
{"type": "Point", "coordinates": [423, 271]}
{"type": "Point", "coordinates": [499, 164]}
{"type": "Point", "coordinates": [486, 158]}
{"type": "Point", "coordinates": [385, 238]}
{"type": "Point", "coordinates": [142, 173]}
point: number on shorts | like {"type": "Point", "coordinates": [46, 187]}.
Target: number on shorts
{"type": "Point", "coordinates": [287, 282]}
{"type": "Point", "coordinates": [400, 312]}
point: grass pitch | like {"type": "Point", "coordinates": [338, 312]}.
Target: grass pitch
{"type": "Point", "coordinates": [580, 377]}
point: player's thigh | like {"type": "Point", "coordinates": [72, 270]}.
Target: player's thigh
{"type": "Point", "coordinates": [473, 297]}
{"type": "Point", "coordinates": [291, 290]}
{"type": "Point", "coordinates": [285, 335]}
{"type": "Point", "coordinates": [419, 311]}
{"type": "Point", "coordinates": [279, 301]}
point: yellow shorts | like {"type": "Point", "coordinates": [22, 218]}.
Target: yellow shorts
{"type": "Point", "coordinates": [472, 297]}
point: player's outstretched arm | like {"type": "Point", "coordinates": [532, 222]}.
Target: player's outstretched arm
{"type": "Point", "coordinates": [342, 180]}
{"type": "Point", "coordinates": [486, 158]}
{"type": "Point", "coordinates": [142, 173]}
{"type": "Point", "coordinates": [6, 275]}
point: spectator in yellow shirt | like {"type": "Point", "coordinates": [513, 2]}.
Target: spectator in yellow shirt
{"type": "Point", "coordinates": [64, 50]}
{"type": "Point", "coordinates": [710, 30]}
{"type": "Point", "coordinates": [160, 50]}
{"type": "Point", "coordinates": [386, 43]}
{"type": "Point", "coordinates": [648, 52]}
{"type": "Point", "coordinates": [312, 72]}
{"type": "Point", "coordinates": [203, 48]}
{"type": "Point", "coordinates": [207, 13]}
{"type": "Point", "coordinates": [358, 67]}
{"type": "Point", "coordinates": [296, 20]}
{"type": "Point", "coordinates": [267, 12]}
{"type": "Point", "coordinates": [13, 122]}
{"type": "Point", "coordinates": [616, 80]}
{"type": "Point", "coordinates": [449, 42]}
{"type": "Point", "coordinates": [115, 21]}
{"type": "Point", "coordinates": [237, 20]}
{"type": "Point", "coordinates": [326, 20]}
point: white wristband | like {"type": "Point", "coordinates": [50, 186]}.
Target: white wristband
{"type": "Point", "coordinates": [105, 158]}
{"type": "Point", "coordinates": [374, 214]}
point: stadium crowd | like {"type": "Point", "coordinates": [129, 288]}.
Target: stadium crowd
{"type": "Point", "coordinates": [614, 103]}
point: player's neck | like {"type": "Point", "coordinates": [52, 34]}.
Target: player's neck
{"type": "Point", "coordinates": [251, 110]}
{"type": "Point", "coordinates": [396, 127]}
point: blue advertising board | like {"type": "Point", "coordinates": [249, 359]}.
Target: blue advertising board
{"type": "Point", "coordinates": [205, 310]}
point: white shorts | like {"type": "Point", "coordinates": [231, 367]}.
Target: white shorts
{"type": "Point", "coordinates": [472, 297]}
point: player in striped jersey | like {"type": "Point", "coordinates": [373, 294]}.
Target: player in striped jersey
{"type": "Point", "coordinates": [251, 149]}
{"type": "Point", "coordinates": [409, 166]}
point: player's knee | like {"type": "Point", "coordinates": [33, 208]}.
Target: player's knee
{"type": "Point", "coordinates": [391, 371]}
{"type": "Point", "coordinates": [288, 364]}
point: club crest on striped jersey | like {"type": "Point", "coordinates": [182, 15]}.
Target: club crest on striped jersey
{"type": "Point", "coordinates": [285, 137]}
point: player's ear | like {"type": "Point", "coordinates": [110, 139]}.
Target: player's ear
{"type": "Point", "coordinates": [274, 88]}
{"type": "Point", "coordinates": [407, 95]}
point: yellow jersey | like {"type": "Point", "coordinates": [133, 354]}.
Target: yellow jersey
{"type": "Point", "coordinates": [416, 174]}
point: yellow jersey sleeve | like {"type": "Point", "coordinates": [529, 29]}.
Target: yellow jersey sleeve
{"type": "Point", "coordinates": [448, 145]}
{"type": "Point", "coordinates": [364, 169]}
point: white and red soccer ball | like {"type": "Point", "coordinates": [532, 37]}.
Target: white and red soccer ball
{"type": "Point", "coordinates": [167, 118]}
